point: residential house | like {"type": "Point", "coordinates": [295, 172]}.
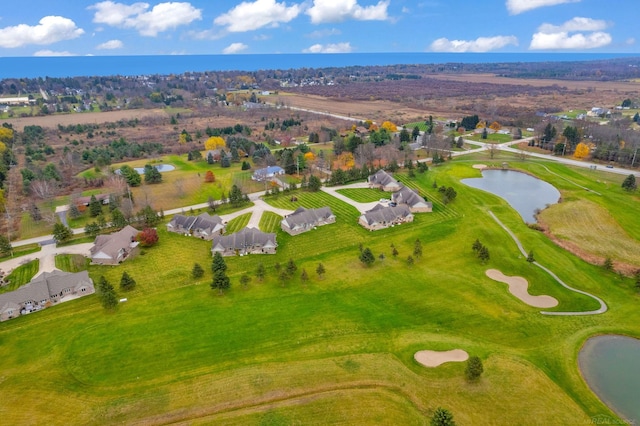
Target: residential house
{"type": "Point", "coordinates": [382, 180]}
{"type": "Point", "coordinates": [43, 291]}
{"type": "Point", "coordinates": [267, 173]}
{"type": "Point", "coordinates": [303, 220]}
{"type": "Point", "coordinates": [247, 241]}
{"type": "Point", "coordinates": [381, 217]}
{"type": "Point", "coordinates": [84, 201]}
{"type": "Point", "coordinates": [115, 248]}
{"type": "Point", "coordinates": [407, 196]}
{"type": "Point", "coordinates": [203, 226]}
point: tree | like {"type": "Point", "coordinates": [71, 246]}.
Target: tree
{"type": "Point", "coordinates": [582, 151]}
{"type": "Point", "coordinates": [636, 117]}
{"type": "Point", "coordinates": [549, 133]}
{"type": "Point", "coordinates": [95, 207]}
{"type": "Point", "coordinates": [320, 270]}
{"type": "Point", "coordinates": [485, 133]}
{"type": "Point", "coordinates": [314, 184]}
{"type": "Point", "coordinates": [130, 175]}
{"type": "Point", "coordinates": [107, 294]}
{"type": "Point", "coordinates": [197, 271]}
{"type": "Point", "coordinates": [530, 257]}
{"type": "Point", "coordinates": [151, 174]}
{"type": "Point", "coordinates": [483, 254]}
{"type": "Point", "coordinates": [118, 220]}
{"type": "Point", "coordinates": [149, 216]}
{"type": "Point", "coordinates": [220, 281]}
{"type": "Point", "coordinates": [474, 368]}
{"type": "Point", "coordinates": [245, 280]}
{"type": "Point", "coordinates": [218, 263]}
{"type": "Point", "coordinates": [126, 282]}
{"type": "Point", "coordinates": [367, 257]}
{"type": "Point", "coordinates": [389, 126]}
{"type": "Point", "coordinates": [147, 237]}
{"type": "Point", "coordinates": [415, 132]}
{"type": "Point", "coordinates": [476, 246]}
{"type": "Point", "coordinates": [283, 277]}
{"type": "Point", "coordinates": [442, 417]}
{"type": "Point", "coordinates": [236, 197]}
{"type": "Point", "coordinates": [304, 277]}
{"type": "Point", "coordinates": [209, 177]}
{"type": "Point", "coordinates": [630, 183]}
{"type": "Point", "coordinates": [607, 264]}
{"type": "Point", "coordinates": [410, 260]}
{"type": "Point", "coordinates": [394, 252]}
{"type": "Point", "coordinates": [5, 246]}
{"type": "Point", "coordinates": [213, 143]}
{"type": "Point", "coordinates": [260, 271]}
{"type": "Point", "coordinates": [92, 229]}
{"type": "Point", "coordinates": [291, 267]}
{"type": "Point", "coordinates": [417, 248]}
{"type": "Point", "coordinates": [61, 233]}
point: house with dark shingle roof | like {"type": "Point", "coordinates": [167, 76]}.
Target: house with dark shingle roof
{"type": "Point", "coordinates": [381, 217]}
{"type": "Point", "coordinates": [247, 241]}
{"type": "Point", "coordinates": [303, 220]}
{"type": "Point", "coordinates": [46, 289]}
{"type": "Point", "coordinates": [415, 202]}
{"type": "Point", "coordinates": [203, 226]}
{"type": "Point", "coordinates": [382, 180]}
{"type": "Point", "coordinates": [114, 248]}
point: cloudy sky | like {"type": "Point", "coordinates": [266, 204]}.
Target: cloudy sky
{"type": "Point", "coordinates": [52, 28]}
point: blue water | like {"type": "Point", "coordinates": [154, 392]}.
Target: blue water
{"type": "Point", "coordinates": [73, 66]}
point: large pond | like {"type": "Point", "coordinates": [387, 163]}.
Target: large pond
{"type": "Point", "coordinates": [160, 167]}
{"type": "Point", "coordinates": [524, 193]}
{"type": "Point", "coordinates": [611, 366]}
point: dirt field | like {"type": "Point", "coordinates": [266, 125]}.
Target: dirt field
{"type": "Point", "coordinates": [52, 121]}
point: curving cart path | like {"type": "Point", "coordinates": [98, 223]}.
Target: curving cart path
{"type": "Point", "coordinates": [603, 306]}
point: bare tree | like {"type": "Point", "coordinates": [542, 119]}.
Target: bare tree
{"type": "Point", "coordinates": [43, 189]}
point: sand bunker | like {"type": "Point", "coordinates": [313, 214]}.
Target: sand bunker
{"type": "Point", "coordinates": [518, 287]}
{"type": "Point", "coordinates": [435, 358]}
{"type": "Point", "coordinates": [479, 166]}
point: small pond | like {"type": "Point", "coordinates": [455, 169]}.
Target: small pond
{"type": "Point", "coordinates": [160, 167]}
{"type": "Point", "coordinates": [524, 193]}
{"type": "Point", "coordinates": [611, 366]}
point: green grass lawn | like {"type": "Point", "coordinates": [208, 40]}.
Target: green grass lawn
{"type": "Point", "coordinates": [270, 222]}
{"type": "Point", "coordinates": [238, 223]}
{"type": "Point", "coordinates": [71, 262]}
{"type": "Point", "coordinates": [364, 195]}
{"type": "Point", "coordinates": [22, 251]}
{"type": "Point", "coordinates": [21, 275]}
{"type": "Point", "coordinates": [492, 137]}
{"type": "Point", "coordinates": [338, 348]}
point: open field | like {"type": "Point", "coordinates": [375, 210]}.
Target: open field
{"type": "Point", "coordinates": [340, 348]}
{"type": "Point", "coordinates": [52, 121]}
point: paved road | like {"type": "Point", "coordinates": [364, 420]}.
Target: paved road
{"type": "Point", "coordinates": [362, 207]}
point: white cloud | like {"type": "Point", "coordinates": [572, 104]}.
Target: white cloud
{"type": "Point", "coordinates": [518, 6]}
{"type": "Point", "coordinates": [50, 29]}
{"type": "Point", "coordinates": [330, 48]}
{"type": "Point", "coordinates": [576, 24]}
{"type": "Point", "coordinates": [630, 41]}
{"type": "Point", "coordinates": [324, 33]}
{"type": "Point", "coordinates": [481, 44]}
{"type": "Point", "coordinates": [337, 11]}
{"type": "Point", "coordinates": [53, 53]}
{"type": "Point", "coordinates": [262, 13]}
{"type": "Point", "coordinates": [234, 48]}
{"type": "Point", "coordinates": [562, 40]}
{"type": "Point", "coordinates": [162, 17]}
{"type": "Point", "coordinates": [110, 45]}
{"type": "Point", "coordinates": [588, 35]}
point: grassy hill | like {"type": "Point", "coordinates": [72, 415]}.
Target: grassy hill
{"type": "Point", "coordinates": [339, 348]}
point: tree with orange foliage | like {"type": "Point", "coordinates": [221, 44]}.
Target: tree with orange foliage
{"type": "Point", "coordinates": [389, 126]}
{"type": "Point", "coordinates": [495, 126]}
{"type": "Point", "coordinates": [214, 142]}
{"type": "Point", "coordinates": [309, 156]}
{"type": "Point", "coordinates": [209, 176]}
{"type": "Point", "coordinates": [481, 125]}
{"type": "Point", "coordinates": [582, 151]}
{"type": "Point", "coordinates": [346, 160]}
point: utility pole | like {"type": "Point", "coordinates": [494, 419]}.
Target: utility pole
{"type": "Point", "coordinates": [633, 160]}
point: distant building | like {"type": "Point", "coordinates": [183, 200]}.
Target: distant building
{"type": "Point", "coordinates": [410, 198]}
{"type": "Point", "coordinates": [203, 226]}
{"type": "Point", "coordinates": [381, 217]}
{"type": "Point", "coordinates": [382, 180]}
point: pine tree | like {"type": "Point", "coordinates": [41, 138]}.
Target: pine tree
{"type": "Point", "coordinates": [126, 282]}
{"type": "Point", "coordinates": [218, 263]}
{"type": "Point", "coordinates": [442, 417]}
{"type": "Point", "coordinates": [367, 257]}
{"type": "Point", "coordinates": [417, 249]}
{"type": "Point", "coordinates": [410, 260]}
{"type": "Point", "coordinates": [220, 281]}
{"type": "Point", "coordinates": [107, 294]}
{"type": "Point", "coordinates": [304, 277]}
{"type": "Point", "coordinates": [474, 368]}
{"type": "Point", "coordinates": [245, 280]}
{"type": "Point", "coordinates": [320, 270]}
{"type": "Point", "coordinates": [95, 207]}
{"type": "Point", "coordinates": [197, 271]}
{"type": "Point", "coordinates": [630, 183]}
{"type": "Point", "coordinates": [483, 254]}
{"type": "Point", "coordinates": [530, 257]}
{"type": "Point", "coordinates": [291, 268]}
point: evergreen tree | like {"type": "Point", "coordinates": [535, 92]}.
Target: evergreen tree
{"type": "Point", "coordinates": [304, 277]}
{"type": "Point", "coordinates": [630, 183]}
{"type": "Point", "coordinates": [320, 270]}
{"type": "Point", "coordinates": [442, 417]}
{"type": "Point", "coordinates": [5, 246]}
{"type": "Point", "coordinates": [260, 271]}
{"type": "Point", "coordinates": [314, 183]}
{"type": "Point", "coordinates": [476, 246]}
{"type": "Point", "coordinates": [394, 252]}
{"type": "Point", "coordinates": [245, 280]}
{"type": "Point", "coordinates": [367, 257]}
{"type": "Point", "coordinates": [220, 281]}
{"type": "Point", "coordinates": [608, 264]}
{"type": "Point", "coordinates": [474, 368]}
{"type": "Point", "coordinates": [483, 254]}
{"type": "Point", "coordinates": [530, 257]}
{"type": "Point", "coordinates": [151, 174]}
{"type": "Point", "coordinates": [417, 248]}
{"type": "Point", "coordinates": [218, 263]}
{"type": "Point", "coordinates": [283, 277]}
{"type": "Point", "coordinates": [95, 207]}
{"type": "Point", "coordinates": [118, 220]}
{"type": "Point", "coordinates": [410, 260]}
{"type": "Point", "coordinates": [107, 294]}
{"type": "Point", "coordinates": [235, 196]}
{"type": "Point", "coordinates": [61, 233]}
{"type": "Point", "coordinates": [126, 282]}
{"type": "Point", "coordinates": [92, 229]}
{"type": "Point", "coordinates": [197, 271]}
{"type": "Point", "coordinates": [291, 268]}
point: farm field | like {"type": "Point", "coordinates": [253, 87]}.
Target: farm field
{"type": "Point", "coordinates": [338, 348]}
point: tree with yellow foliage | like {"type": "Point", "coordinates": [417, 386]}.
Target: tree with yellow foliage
{"type": "Point", "coordinates": [582, 151]}
{"type": "Point", "coordinates": [389, 126]}
{"type": "Point", "coordinates": [6, 135]}
{"type": "Point", "coordinates": [481, 125]}
{"type": "Point", "coordinates": [495, 126]}
{"type": "Point", "coordinates": [214, 142]}
{"type": "Point", "coordinates": [309, 156]}
{"type": "Point", "coordinates": [345, 160]}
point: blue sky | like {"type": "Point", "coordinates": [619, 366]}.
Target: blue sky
{"type": "Point", "coordinates": [51, 28]}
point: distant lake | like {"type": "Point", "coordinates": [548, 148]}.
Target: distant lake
{"type": "Point", "coordinates": [526, 194]}
{"type": "Point", "coordinates": [611, 366]}
{"type": "Point", "coordinates": [160, 167]}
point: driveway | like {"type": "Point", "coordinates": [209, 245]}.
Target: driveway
{"type": "Point", "coordinates": [361, 207]}
{"type": "Point", "coordinates": [46, 256]}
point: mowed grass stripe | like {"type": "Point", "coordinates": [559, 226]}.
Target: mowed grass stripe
{"type": "Point", "coordinates": [364, 195]}
{"type": "Point", "coordinates": [439, 208]}
{"type": "Point", "coordinates": [236, 224]}
{"type": "Point", "coordinates": [314, 200]}
{"type": "Point", "coordinates": [270, 222]}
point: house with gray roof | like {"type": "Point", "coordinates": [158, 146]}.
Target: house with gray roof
{"type": "Point", "coordinates": [415, 202]}
{"type": "Point", "coordinates": [383, 181]}
{"type": "Point", "coordinates": [114, 248]}
{"type": "Point", "coordinates": [381, 217]}
{"type": "Point", "coordinates": [303, 220]}
{"type": "Point", "coordinates": [247, 241]}
{"type": "Point", "coordinates": [45, 290]}
{"type": "Point", "coordinates": [203, 226]}
{"type": "Point", "coordinates": [267, 173]}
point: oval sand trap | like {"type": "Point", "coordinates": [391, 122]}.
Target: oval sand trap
{"type": "Point", "coordinates": [518, 287]}
{"type": "Point", "coordinates": [435, 358]}
{"type": "Point", "coordinates": [479, 166]}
